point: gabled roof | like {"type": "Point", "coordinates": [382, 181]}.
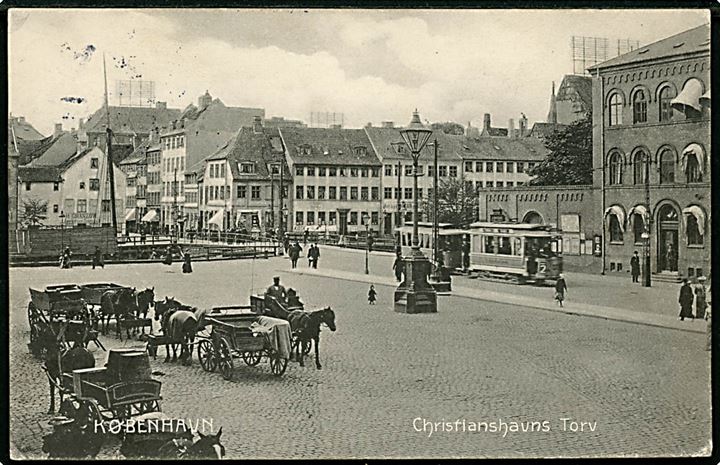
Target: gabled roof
{"type": "Point", "coordinates": [389, 144]}
{"type": "Point", "coordinates": [23, 129]}
{"type": "Point", "coordinates": [580, 84]}
{"type": "Point", "coordinates": [504, 148]}
{"type": "Point", "coordinates": [60, 151]}
{"type": "Point", "coordinates": [140, 120]}
{"type": "Point", "coordinates": [138, 155]}
{"type": "Point", "coordinates": [693, 40]}
{"type": "Point", "coordinates": [39, 174]}
{"type": "Point", "coordinates": [541, 129]}
{"type": "Point", "coordinates": [28, 150]}
{"type": "Point", "coordinates": [250, 147]}
{"type": "Point", "coordinates": [328, 146]}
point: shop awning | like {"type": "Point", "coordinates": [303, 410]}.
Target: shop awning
{"type": "Point", "coordinates": [693, 150]}
{"type": "Point", "coordinates": [690, 96]}
{"type": "Point", "coordinates": [150, 216]}
{"type": "Point", "coordinates": [326, 228]}
{"type": "Point", "coordinates": [619, 213]}
{"type": "Point", "coordinates": [699, 215]}
{"type": "Point", "coordinates": [217, 218]}
{"type": "Point", "coordinates": [705, 98]}
{"type": "Point", "coordinates": [130, 216]}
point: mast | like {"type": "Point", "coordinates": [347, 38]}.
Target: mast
{"type": "Point", "coordinates": [108, 151]}
{"type": "Point", "coordinates": [436, 237]}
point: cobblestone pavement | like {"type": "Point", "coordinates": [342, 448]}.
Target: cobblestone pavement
{"type": "Point", "coordinates": [609, 291]}
{"type": "Point", "coordinates": [643, 390]}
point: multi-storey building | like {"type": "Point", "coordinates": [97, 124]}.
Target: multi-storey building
{"type": "Point", "coordinates": [573, 100]}
{"type": "Point", "coordinates": [150, 220]}
{"type": "Point", "coordinates": [336, 180]}
{"type": "Point", "coordinates": [651, 146]}
{"type": "Point", "coordinates": [198, 132]}
{"type": "Point", "coordinates": [241, 182]}
{"type": "Point", "coordinates": [135, 169]}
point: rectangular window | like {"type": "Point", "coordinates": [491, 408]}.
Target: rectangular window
{"type": "Point", "coordinates": [500, 184]}
{"type": "Point", "coordinates": [321, 218]}
{"type": "Point", "coordinates": [299, 171]}
{"type": "Point", "coordinates": [375, 193]}
{"type": "Point", "coordinates": [342, 172]}
{"type": "Point", "coordinates": [332, 171]}
{"type": "Point", "coordinates": [396, 170]}
{"type": "Point", "coordinates": [299, 192]}
{"type": "Point", "coordinates": [531, 166]}
{"type": "Point", "coordinates": [353, 193]}
{"type": "Point", "coordinates": [241, 192]}
{"type": "Point", "coordinates": [82, 185]}
{"type": "Point", "coordinates": [364, 172]}
{"type": "Point", "coordinates": [387, 193]}
{"type": "Point", "coordinates": [310, 192]}
{"type": "Point", "coordinates": [353, 172]}
{"type": "Point", "coordinates": [510, 184]}
{"type": "Point", "coordinates": [332, 193]}
{"type": "Point", "coordinates": [479, 166]}
{"type": "Point", "coordinates": [397, 193]}
{"type": "Point", "coordinates": [510, 167]}
{"type": "Point", "coordinates": [388, 170]}
{"type": "Point", "coordinates": [332, 218]}
{"type": "Point", "coordinates": [375, 171]}
{"type": "Point", "coordinates": [442, 171]}
{"type": "Point", "coordinates": [343, 193]}
{"type": "Point", "coordinates": [82, 206]}
{"type": "Point", "coordinates": [500, 167]}
{"type": "Point", "coordinates": [420, 193]}
{"type": "Point", "coordinates": [490, 184]}
{"type": "Point", "coordinates": [321, 193]}
{"type": "Point", "coordinates": [431, 171]}
{"type": "Point", "coordinates": [489, 167]}
{"type": "Point", "coordinates": [310, 172]}
{"type": "Point", "coordinates": [468, 166]}
{"type": "Point", "coordinates": [374, 218]}
{"type": "Point", "coordinates": [310, 218]}
{"type": "Point", "coordinates": [56, 208]}
{"type": "Point", "coordinates": [453, 171]}
{"type": "Point", "coordinates": [94, 184]}
{"type": "Point", "coordinates": [408, 170]}
{"type": "Point", "coordinates": [408, 193]}
{"type": "Point", "coordinates": [322, 171]}
{"type": "Point", "coordinates": [298, 217]}
{"type": "Point", "coordinates": [364, 193]}
{"type": "Point", "coordinates": [130, 183]}
{"type": "Point", "coordinates": [520, 167]}
{"type": "Point", "coordinates": [468, 186]}
{"type": "Point", "coordinates": [93, 163]}
{"type": "Point", "coordinates": [353, 218]}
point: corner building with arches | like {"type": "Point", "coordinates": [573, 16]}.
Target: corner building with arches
{"type": "Point", "coordinates": [651, 155]}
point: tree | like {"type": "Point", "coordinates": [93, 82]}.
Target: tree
{"type": "Point", "coordinates": [456, 204]}
{"type": "Point", "coordinates": [570, 159]}
{"type": "Point", "coordinates": [33, 212]}
{"type": "Point", "coordinates": [449, 128]}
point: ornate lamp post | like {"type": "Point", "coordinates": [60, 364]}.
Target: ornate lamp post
{"type": "Point", "coordinates": [62, 230]}
{"type": "Point", "coordinates": [366, 221]}
{"type": "Point", "coordinates": [646, 221]}
{"type": "Point", "coordinates": [415, 294]}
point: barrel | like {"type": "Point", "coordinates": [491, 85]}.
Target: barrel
{"type": "Point", "coordinates": [136, 367]}
{"type": "Point", "coordinates": [117, 363]}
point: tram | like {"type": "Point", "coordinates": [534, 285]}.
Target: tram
{"type": "Point", "coordinates": [520, 252]}
{"type": "Point", "coordinates": [450, 240]}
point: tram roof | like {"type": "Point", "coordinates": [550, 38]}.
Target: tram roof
{"type": "Point", "coordinates": [521, 226]}
{"type": "Point", "coordinates": [428, 224]}
{"type": "Point", "coordinates": [427, 227]}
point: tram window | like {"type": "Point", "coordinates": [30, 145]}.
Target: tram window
{"type": "Point", "coordinates": [504, 246]}
{"type": "Point", "coordinates": [489, 244]}
{"type": "Point", "coordinates": [517, 246]}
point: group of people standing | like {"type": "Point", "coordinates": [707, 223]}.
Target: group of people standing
{"type": "Point", "coordinates": [294, 250]}
{"type": "Point", "coordinates": [98, 259]}
{"type": "Point", "coordinates": [697, 294]}
{"type": "Point", "coordinates": [185, 256]}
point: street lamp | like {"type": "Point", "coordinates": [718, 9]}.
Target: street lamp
{"type": "Point", "coordinates": [62, 229]}
{"type": "Point", "coordinates": [366, 221]}
{"type": "Point", "coordinates": [646, 233]}
{"type": "Point", "coordinates": [415, 294]}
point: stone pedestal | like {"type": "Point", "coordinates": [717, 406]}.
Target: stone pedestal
{"type": "Point", "coordinates": [415, 294]}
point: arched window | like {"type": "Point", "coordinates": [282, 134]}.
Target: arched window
{"type": "Point", "coordinates": [640, 167]}
{"type": "Point", "coordinates": [616, 234]}
{"type": "Point", "coordinates": [694, 174]}
{"type": "Point", "coordinates": [616, 104]}
{"type": "Point", "coordinates": [694, 236]}
{"type": "Point", "coordinates": [667, 167]}
{"type": "Point", "coordinates": [640, 107]}
{"type": "Point", "coordinates": [615, 169]}
{"type": "Point", "coordinates": [666, 95]}
{"type": "Point", "coordinates": [638, 227]}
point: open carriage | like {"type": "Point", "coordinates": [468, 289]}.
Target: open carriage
{"type": "Point", "coordinates": [238, 333]}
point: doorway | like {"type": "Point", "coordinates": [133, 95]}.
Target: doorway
{"type": "Point", "coordinates": [667, 234]}
{"type": "Point", "coordinates": [342, 222]}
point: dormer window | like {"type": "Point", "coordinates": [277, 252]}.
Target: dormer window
{"type": "Point", "coordinates": [360, 151]}
{"type": "Point", "coordinates": [246, 168]}
{"type": "Point", "coordinates": [274, 168]}
{"type": "Point", "coordinates": [305, 150]}
{"type": "Point", "coordinates": [400, 148]}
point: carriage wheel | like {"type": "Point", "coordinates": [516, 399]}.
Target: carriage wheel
{"type": "Point", "coordinates": [225, 361]}
{"type": "Point", "coordinates": [206, 355]}
{"type": "Point", "coordinates": [252, 358]}
{"type": "Point", "coordinates": [278, 365]}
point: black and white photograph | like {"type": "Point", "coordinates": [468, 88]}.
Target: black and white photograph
{"type": "Point", "coordinates": [359, 233]}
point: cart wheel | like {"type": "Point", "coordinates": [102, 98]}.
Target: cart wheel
{"type": "Point", "coordinates": [252, 358]}
{"type": "Point", "coordinates": [31, 311]}
{"type": "Point", "coordinates": [278, 365]}
{"type": "Point", "coordinates": [224, 358]}
{"type": "Point", "coordinates": [206, 355]}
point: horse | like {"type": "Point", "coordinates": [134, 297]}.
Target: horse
{"type": "Point", "coordinates": [180, 323]}
{"type": "Point", "coordinates": [306, 327]}
{"type": "Point", "coordinates": [144, 300]}
{"type": "Point", "coordinates": [118, 303]}
{"type": "Point", "coordinates": [58, 361]}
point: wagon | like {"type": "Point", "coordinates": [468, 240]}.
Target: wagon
{"type": "Point", "coordinates": [92, 294]}
{"type": "Point", "coordinates": [236, 333]}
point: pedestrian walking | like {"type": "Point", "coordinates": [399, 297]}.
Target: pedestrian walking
{"type": "Point", "coordinates": [700, 300]}
{"type": "Point", "coordinates": [635, 267]}
{"type": "Point", "coordinates": [286, 243]}
{"type": "Point", "coordinates": [398, 267]}
{"type": "Point", "coordinates": [295, 250]}
{"type": "Point", "coordinates": [311, 255]}
{"type": "Point", "coordinates": [306, 233]}
{"type": "Point", "coordinates": [686, 300]}
{"type": "Point", "coordinates": [65, 258]}
{"type": "Point", "coordinates": [371, 295]}
{"type": "Point", "coordinates": [560, 289]}
{"type": "Point", "coordinates": [168, 256]}
{"type": "Point", "coordinates": [97, 259]}
{"type": "Point", "coordinates": [187, 262]}
{"type": "Point", "coordinates": [315, 255]}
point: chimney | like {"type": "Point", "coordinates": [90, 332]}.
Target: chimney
{"type": "Point", "coordinates": [161, 105]}
{"type": "Point", "coordinates": [257, 125]}
{"type": "Point", "coordinates": [523, 125]}
{"type": "Point", "coordinates": [388, 124]}
{"type": "Point", "coordinates": [204, 101]}
{"type": "Point", "coordinates": [511, 128]}
{"type": "Point", "coordinates": [486, 122]}
{"type": "Point", "coordinates": [58, 129]}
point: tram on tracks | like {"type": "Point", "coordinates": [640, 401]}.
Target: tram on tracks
{"type": "Point", "coordinates": [519, 252]}
{"type": "Point", "coordinates": [450, 241]}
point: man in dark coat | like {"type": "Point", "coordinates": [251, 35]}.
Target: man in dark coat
{"type": "Point", "coordinates": [398, 266]}
{"type": "Point", "coordinates": [187, 263]}
{"type": "Point", "coordinates": [295, 250]}
{"type": "Point", "coordinates": [635, 267]}
{"type": "Point", "coordinates": [686, 300]}
{"type": "Point", "coordinates": [315, 250]}
{"type": "Point", "coordinates": [98, 258]}
{"type": "Point", "coordinates": [168, 256]}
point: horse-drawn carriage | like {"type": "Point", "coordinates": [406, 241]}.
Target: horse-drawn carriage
{"type": "Point", "coordinates": [238, 333]}
{"type": "Point", "coordinates": [124, 303]}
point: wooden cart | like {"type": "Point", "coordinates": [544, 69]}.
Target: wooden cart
{"type": "Point", "coordinates": [92, 294]}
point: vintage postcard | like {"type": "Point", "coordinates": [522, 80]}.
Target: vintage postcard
{"type": "Point", "coordinates": [359, 233]}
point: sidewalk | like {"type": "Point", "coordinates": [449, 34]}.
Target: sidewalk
{"type": "Point", "coordinates": [590, 288]}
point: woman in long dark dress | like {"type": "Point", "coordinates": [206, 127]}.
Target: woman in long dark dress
{"type": "Point", "coordinates": [560, 289]}
{"type": "Point", "coordinates": [168, 256]}
{"type": "Point", "coordinates": [686, 300]}
{"type": "Point", "coordinates": [187, 263]}
{"type": "Point", "coordinates": [700, 301]}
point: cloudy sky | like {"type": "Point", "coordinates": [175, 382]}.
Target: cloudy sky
{"type": "Point", "coordinates": [371, 65]}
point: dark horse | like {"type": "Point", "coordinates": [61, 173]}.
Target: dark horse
{"type": "Point", "coordinates": [120, 304]}
{"type": "Point", "coordinates": [144, 300]}
{"type": "Point", "coordinates": [305, 327]}
{"type": "Point", "coordinates": [180, 323]}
